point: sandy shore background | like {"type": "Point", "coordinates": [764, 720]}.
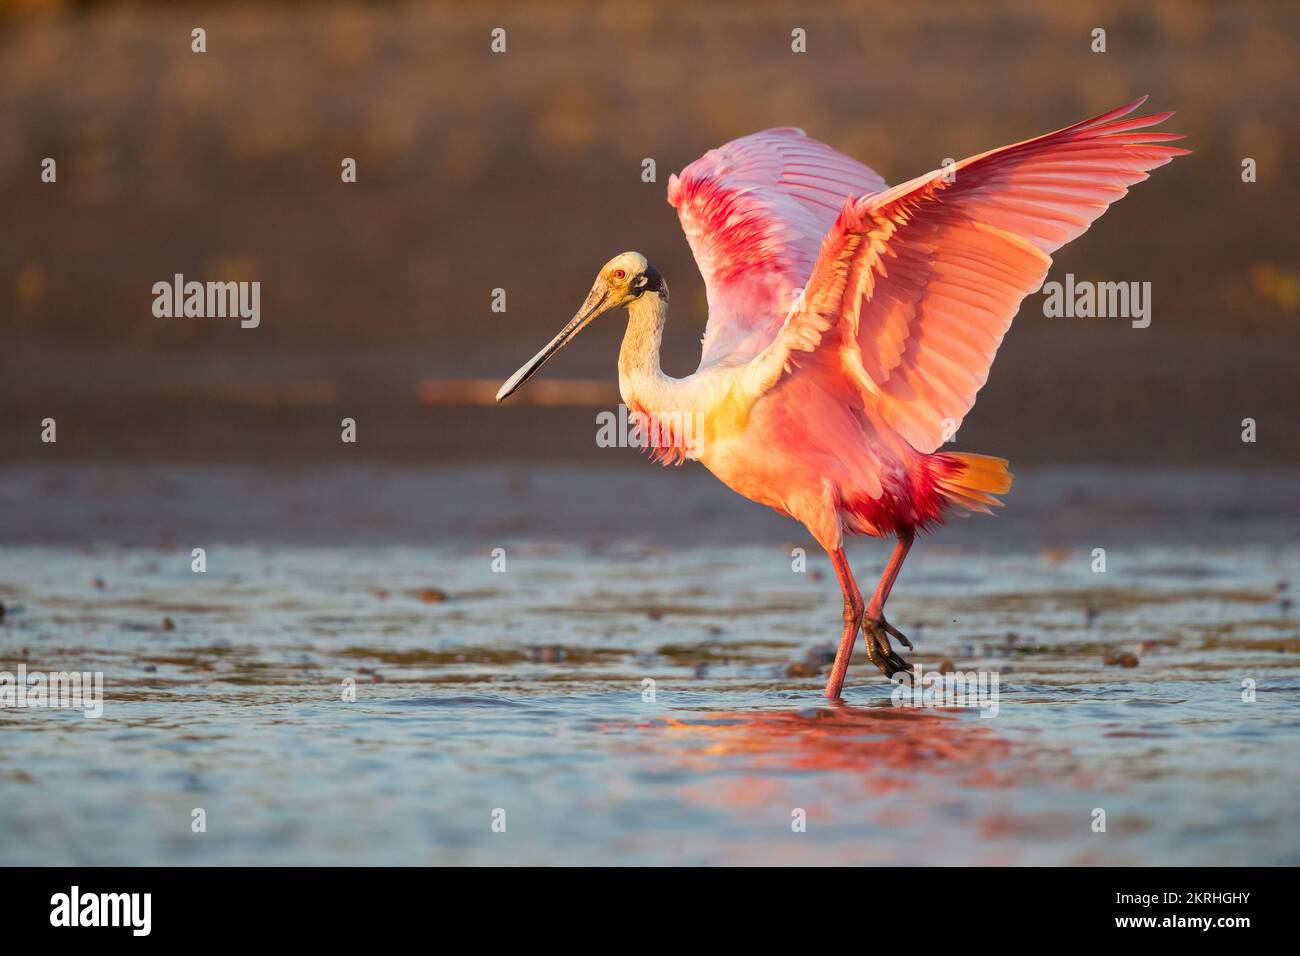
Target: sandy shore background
{"type": "Point", "coordinates": [522, 171]}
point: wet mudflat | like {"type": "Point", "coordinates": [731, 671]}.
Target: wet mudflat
{"type": "Point", "coordinates": [630, 696]}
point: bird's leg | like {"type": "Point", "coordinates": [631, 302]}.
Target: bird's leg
{"type": "Point", "coordinates": [875, 629]}
{"type": "Point", "coordinates": [852, 621]}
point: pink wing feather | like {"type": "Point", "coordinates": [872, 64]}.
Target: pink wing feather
{"type": "Point", "coordinates": [917, 285]}
{"type": "Point", "coordinates": [754, 212]}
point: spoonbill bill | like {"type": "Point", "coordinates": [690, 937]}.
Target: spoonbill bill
{"type": "Point", "coordinates": [851, 325]}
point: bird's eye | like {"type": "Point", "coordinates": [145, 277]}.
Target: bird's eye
{"type": "Point", "coordinates": [620, 274]}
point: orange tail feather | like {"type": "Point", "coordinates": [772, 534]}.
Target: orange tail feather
{"type": "Point", "coordinates": [970, 482]}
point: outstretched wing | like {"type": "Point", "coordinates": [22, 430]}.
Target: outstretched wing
{"type": "Point", "coordinates": [754, 212]}
{"type": "Point", "coordinates": [916, 286]}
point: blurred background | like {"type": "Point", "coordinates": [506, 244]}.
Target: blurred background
{"type": "Point", "coordinates": [523, 171]}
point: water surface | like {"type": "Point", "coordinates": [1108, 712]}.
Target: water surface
{"type": "Point", "coordinates": [478, 691]}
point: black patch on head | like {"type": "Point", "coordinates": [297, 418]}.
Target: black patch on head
{"type": "Point", "coordinates": [652, 281]}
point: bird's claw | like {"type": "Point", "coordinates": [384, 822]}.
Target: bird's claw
{"type": "Point", "coordinates": [890, 629]}
{"type": "Point", "coordinates": [880, 651]}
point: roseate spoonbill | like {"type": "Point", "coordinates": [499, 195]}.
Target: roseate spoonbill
{"type": "Point", "coordinates": [851, 325]}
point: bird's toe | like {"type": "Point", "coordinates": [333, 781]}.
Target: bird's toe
{"type": "Point", "coordinates": [890, 629]}
{"type": "Point", "coordinates": [880, 650]}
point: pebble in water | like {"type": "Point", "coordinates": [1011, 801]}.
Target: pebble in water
{"type": "Point", "coordinates": [1120, 660]}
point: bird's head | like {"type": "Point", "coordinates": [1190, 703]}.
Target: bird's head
{"type": "Point", "coordinates": [624, 279]}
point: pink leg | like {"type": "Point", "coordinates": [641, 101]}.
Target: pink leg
{"type": "Point", "coordinates": [876, 629]}
{"type": "Point", "coordinates": [852, 621]}
{"type": "Point", "coordinates": [876, 609]}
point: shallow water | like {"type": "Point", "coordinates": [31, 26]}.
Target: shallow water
{"type": "Point", "coordinates": [524, 691]}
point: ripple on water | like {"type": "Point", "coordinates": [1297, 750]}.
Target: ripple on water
{"type": "Point", "coordinates": [625, 717]}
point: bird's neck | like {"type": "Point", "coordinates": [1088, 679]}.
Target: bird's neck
{"type": "Point", "coordinates": [640, 380]}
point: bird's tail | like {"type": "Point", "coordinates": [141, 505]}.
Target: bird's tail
{"type": "Point", "coordinates": [971, 482]}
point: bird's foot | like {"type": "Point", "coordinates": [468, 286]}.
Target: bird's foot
{"type": "Point", "coordinates": [880, 651]}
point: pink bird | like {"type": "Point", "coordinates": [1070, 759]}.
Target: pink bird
{"type": "Point", "coordinates": [851, 326]}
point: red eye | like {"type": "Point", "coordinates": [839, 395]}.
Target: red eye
{"type": "Point", "coordinates": [619, 274]}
